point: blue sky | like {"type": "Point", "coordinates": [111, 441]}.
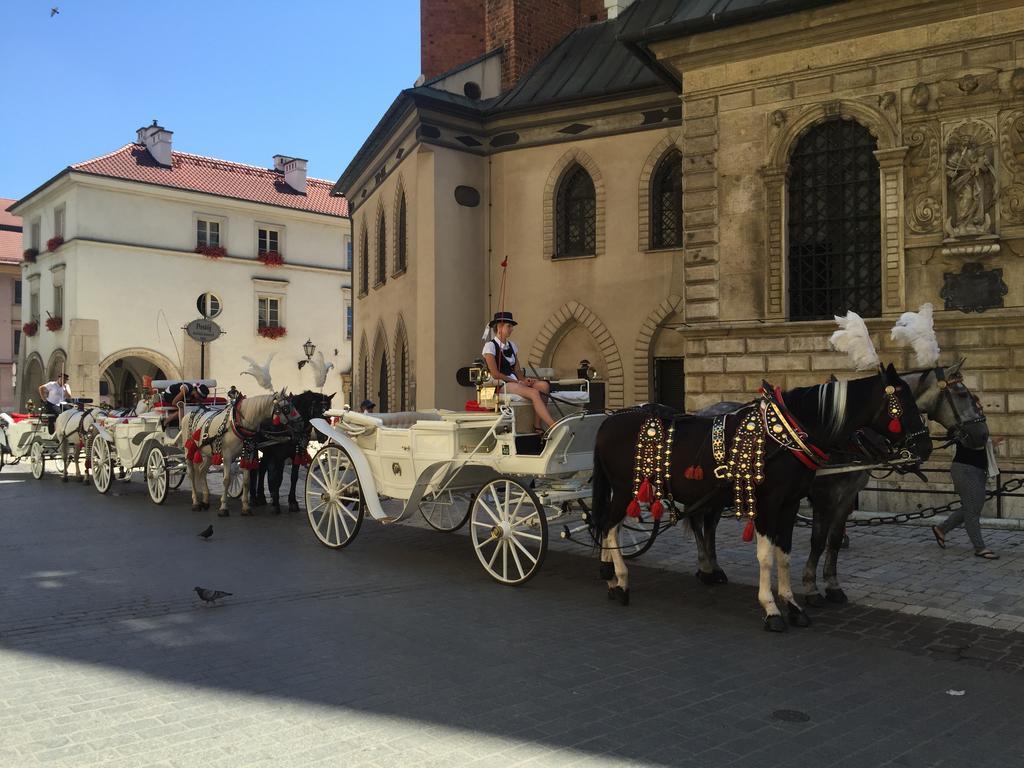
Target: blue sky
{"type": "Point", "coordinates": [240, 80]}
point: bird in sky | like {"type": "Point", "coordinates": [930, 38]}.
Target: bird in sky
{"type": "Point", "coordinates": [54, 11]}
{"type": "Point", "coordinates": [210, 595]}
{"type": "Point", "coordinates": [207, 533]}
{"type": "Point", "coordinates": [259, 372]}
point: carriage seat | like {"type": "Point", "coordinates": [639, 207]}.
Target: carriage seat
{"type": "Point", "coordinates": [404, 419]}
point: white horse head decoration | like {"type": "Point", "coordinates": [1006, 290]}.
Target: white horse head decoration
{"type": "Point", "coordinates": [854, 339]}
{"type": "Point", "coordinates": [918, 330]}
{"type": "Point", "coordinates": [260, 372]}
{"type": "Point", "coordinates": [320, 368]}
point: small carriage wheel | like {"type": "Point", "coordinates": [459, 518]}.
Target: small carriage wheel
{"type": "Point", "coordinates": [157, 478]}
{"type": "Point", "coordinates": [334, 497]}
{"type": "Point", "coordinates": [236, 479]}
{"type": "Point", "coordinates": [446, 511]}
{"type": "Point", "coordinates": [509, 530]}
{"type": "Point", "coordinates": [637, 536]}
{"type": "Point", "coordinates": [38, 459]}
{"type": "Point", "coordinates": [176, 472]}
{"type": "Point", "coordinates": [102, 465]}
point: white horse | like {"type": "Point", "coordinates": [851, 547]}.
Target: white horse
{"type": "Point", "coordinates": [72, 429]}
{"type": "Point", "coordinates": [217, 437]}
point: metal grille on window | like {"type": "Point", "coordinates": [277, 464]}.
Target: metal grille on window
{"type": "Point", "coordinates": [834, 223]}
{"type": "Point", "coordinates": [382, 251]}
{"type": "Point", "coordinates": [667, 202]}
{"type": "Point", "coordinates": [364, 264]}
{"type": "Point", "coordinates": [576, 215]}
{"type": "Point", "coordinates": [400, 250]}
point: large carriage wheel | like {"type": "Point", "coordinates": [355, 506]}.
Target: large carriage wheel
{"type": "Point", "coordinates": [38, 458]}
{"type": "Point", "coordinates": [102, 465]}
{"type": "Point", "coordinates": [236, 479]}
{"type": "Point", "coordinates": [509, 530]}
{"type": "Point", "coordinates": [176, 471]}
{"type": "Point", "coordinates": [157, 474]}
{"type": "Point", "coordinates": [446, 511]}
{"type": "Point", "coordinates": [334, 497]}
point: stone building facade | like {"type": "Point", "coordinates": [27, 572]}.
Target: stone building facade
{"type": "Point", "coordinates": [910, 112]}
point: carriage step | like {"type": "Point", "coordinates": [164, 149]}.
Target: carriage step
{"type": "Point", "coordinates": [388, 520]}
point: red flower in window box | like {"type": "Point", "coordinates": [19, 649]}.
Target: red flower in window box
{"type": "Point", "coordinates": [29, 254]}
{"type": "Point", "coordinates": [271, 258]}
{"type": "Point", "coordinates": [212, 251]}
{"type": "Point", "coordinates": [272, 331]}
{"type": "Point", "coordinates": [31, 328]}
{"type": "Point", "coordinates": [54, 323]}
{"type": "Point", "coordinates": [54, 243]}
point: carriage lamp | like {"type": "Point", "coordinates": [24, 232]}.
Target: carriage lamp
{"type": "Point", "coordinates": [309, 348]}
{"type": "Point", "coordinates": [586, 371]}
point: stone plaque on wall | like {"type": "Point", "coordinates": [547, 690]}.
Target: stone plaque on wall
{"type": "Point", "coordinates": [973, 289]}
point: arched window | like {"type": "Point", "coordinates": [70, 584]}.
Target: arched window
{"type": "Point", "coordinates": [364, 263]}
{"type": "Point", "coordinates": [382, 250]}
{"type": "Point", "coordinates": [667, 201]}
{"type": "Point", "coordinates": [401, 252]}
{"type": "Point", "coordinates": [575, 214]}
{"type": "Point", "coordinates": [382, 386]}
{"type": "Point", "coordinates": [402, 375]}
{"type": "Point", "coordinates": [835, 238]}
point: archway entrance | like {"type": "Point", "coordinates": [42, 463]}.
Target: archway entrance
{"type": "Point", "coordinates": [30, 382]}
{"type": "Point", "coordinates": [121, 375]}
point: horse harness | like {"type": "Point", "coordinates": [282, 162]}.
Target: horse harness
{"type": "Point", "coordinates": [958, 431]}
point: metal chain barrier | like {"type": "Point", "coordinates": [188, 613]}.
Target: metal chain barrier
{"type": "Point", "coordinates": [1010, 486]}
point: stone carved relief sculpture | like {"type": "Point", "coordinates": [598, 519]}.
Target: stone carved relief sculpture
{"type": "Point", "coordinates": [924, 160]}
{"type": "Point", "coordinates": [970, 181]}
{"type": "Point", "coordinates": [1011, 142]}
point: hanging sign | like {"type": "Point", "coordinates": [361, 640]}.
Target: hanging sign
{"type": "Point", "coordinates": [204, 331]}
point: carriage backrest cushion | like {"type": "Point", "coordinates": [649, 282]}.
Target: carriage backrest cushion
{"type": "Point", "coordinates": [405, 419]}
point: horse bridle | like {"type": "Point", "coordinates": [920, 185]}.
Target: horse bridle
{"type": "Point", "coordinates": [892, 406]}
{"type": "Point", "coordinates": [957, 432]}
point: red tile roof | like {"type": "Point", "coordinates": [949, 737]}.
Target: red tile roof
{"type": "Point", "coordinates": [10, 242]}
{"type": "Point", "coordinates": [215, 177]}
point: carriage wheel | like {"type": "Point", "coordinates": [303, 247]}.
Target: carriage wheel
{"type": "Point", "coordinates": [509, 530]}
{"type": "Point", "coordinates": [102, 465]}
{"type": "Point", "coordinates": [637, 535]}
{"type": "Point", "coordinates": [176, 472]}
{"type": "Point", "coordinates": [236, 479]}
{"type": "Point", "coordinates": [157, 476]}
{"type": "Point", "coordinates": [447, 511]}
{"type": "Point", "coordinates": [334, 497]}
{"type": "Point", "coordinates": [38, 459]}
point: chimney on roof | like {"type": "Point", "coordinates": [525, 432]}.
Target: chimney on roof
{"type": "Point", "coordinates": [615, 7]}
{"type": "Point", "coordinates": [294, 170]}
{"type": "Point", "coordinates": [158, 141]}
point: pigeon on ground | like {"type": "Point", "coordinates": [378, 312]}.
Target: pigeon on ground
{"type": "Point", "coordinates": [207, 533]}
{"type": "Point", "coordinates": [210, 595]}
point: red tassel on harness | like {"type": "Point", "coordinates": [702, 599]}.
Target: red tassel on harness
{"type": "Point", "coordinates": [249, 464]}
{"type": "Point", "coordinates": [895, 427]}
{"type": "Point", "coordinates": [694, 472]}
{"type": "Point", "coordinates": [657, 509]}
{"type": "Point", "coordinates": [300, 459]}
{"type": "Point", "coordinates": [646, 493]}
{"type": "Point", "coordinates": [217, 459]}
{"type": "Point", "coordinates": [277, 420]}
{"type": "Point", "coordinates": [197, 457]}
{"type": "Point", "coordinates": [748, 530]}
{"type": "Point", "coordinates": [633, 510]}
{"type": "Point", "coordinates": [196, 436]}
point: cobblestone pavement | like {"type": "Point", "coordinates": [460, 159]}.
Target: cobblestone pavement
{"type": "Point", "coordinates": [400, 651]}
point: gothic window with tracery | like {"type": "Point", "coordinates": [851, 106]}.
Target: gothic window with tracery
{"type": "Point", "coordinates": [364, 263]}
{"type": "Point", "coordinates": [834, 223]}
{"type": "Point", "coordinates": [382, 250]}
{"type": "Point", "coordinates": [667, 202]}
{"type": "Point", "coordinates": [576, 215]}
{"type": "Point", "coordinates": [401, 248]}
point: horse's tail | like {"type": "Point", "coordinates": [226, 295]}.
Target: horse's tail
{"type": "Point", "coordinates": [601, 500]}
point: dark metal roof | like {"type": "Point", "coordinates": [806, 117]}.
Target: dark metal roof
{"type": "Point", "coordinates": [589, 63]}
{"type": "Point", "coordinates": [646, 21]}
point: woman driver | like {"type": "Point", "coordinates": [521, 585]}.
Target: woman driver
{"type": "Point", "coordinates": [502, 358]}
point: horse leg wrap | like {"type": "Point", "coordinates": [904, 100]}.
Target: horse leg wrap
{"type": "Point", "coordinates": [607, 571]}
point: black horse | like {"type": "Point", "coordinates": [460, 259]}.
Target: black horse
{"type": "Point", "coordinates": [882, 403]}
{"type": "Point", "coordinates": [278, 445]}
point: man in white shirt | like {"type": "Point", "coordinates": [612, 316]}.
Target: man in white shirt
{"type": "Point", "coordinates": [53, 393]}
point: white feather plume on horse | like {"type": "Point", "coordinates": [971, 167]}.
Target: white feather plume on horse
{"type": "Point", "coordinates": [259, 372]}
{"type": "Point", "coordinates": [918, 330]}
{"type": "Point", "coordinates": [854, 339]}
{"type": "Point", "coordinates": [320, 368]}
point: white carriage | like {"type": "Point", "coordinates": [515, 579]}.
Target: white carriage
{"type": "Point", "coordinates": [453, 466]}
{"type": "Point", "coordinates": [143, 442]}
{"type": "Point", "coordinates": [29, 436]}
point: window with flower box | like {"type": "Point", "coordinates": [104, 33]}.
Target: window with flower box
{"type": "Point", "coordinates": [35, 235]}
{"type": "Point", "coordinates": [269, 312]}
{"type": "Point", "coordinates": [58, 221]}
{"type": "Point", "coordinates": [268, 240]}
{"type": "Point", "coordinates": [207, 232]}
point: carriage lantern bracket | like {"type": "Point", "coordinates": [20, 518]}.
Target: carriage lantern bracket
{"type": "Point", "coordinates": [586, 371]}
{"type": "Point", "coordinates": [309, 348]}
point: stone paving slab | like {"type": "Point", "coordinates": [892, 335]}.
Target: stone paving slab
{"type": "Point", "coordinates": [399, 650]}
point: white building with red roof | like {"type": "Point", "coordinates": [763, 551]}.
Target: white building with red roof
{"type": "Point", "coordinates": [10, 302]}
{"type": "Point", "coordinates": [124, 250]}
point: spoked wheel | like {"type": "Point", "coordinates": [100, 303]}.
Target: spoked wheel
{"type": "Point", "coordinates": [157, 476]}
{"type": "Point", "coordinates": [446, 511]}
{"type": "Point", "coordinates": [102, 465]}
{"type": "Point", "coordinates": [38, 459]}
{"type": "Point", "coordinates": [636, 535]}
{"type": "Point", "coordinates": [176, 475]}
{"type": "Point", "coordinates": [236, 479]}
{"type": "Point", "coordinates": [334, 497]}
{"type": "Point", "coordinates": [509, 530]}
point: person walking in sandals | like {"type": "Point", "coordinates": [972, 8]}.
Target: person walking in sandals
{"type": "Point", "coordinates": [970, 471]}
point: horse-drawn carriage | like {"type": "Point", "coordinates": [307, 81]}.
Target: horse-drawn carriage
{"type": "Point", "coordinates": [33, 436]}
{"type": "Point", "coordinates": [488, 467]}
{"type": "Point", "coordinates": [147, 441]}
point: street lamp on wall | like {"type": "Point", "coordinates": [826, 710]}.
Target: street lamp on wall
{"type": "Point", "coordinates": [309, 348]}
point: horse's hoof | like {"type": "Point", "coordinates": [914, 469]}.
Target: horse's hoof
{"type": "Point", "coordinates": [277, 509]}
{"type": "Point", "coordinates": [797, 616]}
{"type": "Point", "coordinates": [293, 506]}
{"type": "Point", "coordinates": [719, 576]}
{"type": "Point", "coordinates": [259, 502]}
{"type": "Point", "coordinates": [246, 513]}
{"type": "Point", "coordinates": [64, 479]}
{"type": "Point", "coordinates": [774, 624]}
{"type": "Point", "coordinates": [224, 513]}
{"type": "Point", "coordinates": [197, 507]}
{"type": "Point", "coordinates": [620, 594]}
{"type": "Point", "coordinates": [836, 596]}
{"type": "Point", "coordinates": [814, 598]}
{"type": "Point", "coordinates": [707, 579]}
